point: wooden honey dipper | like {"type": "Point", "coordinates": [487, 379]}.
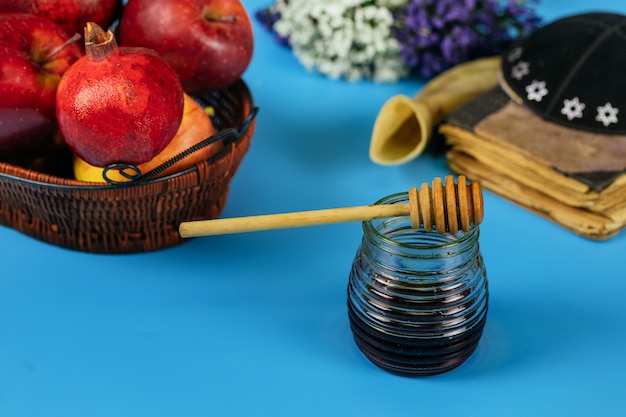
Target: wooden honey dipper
{"type": "Point", "coordinates": [448, 207]}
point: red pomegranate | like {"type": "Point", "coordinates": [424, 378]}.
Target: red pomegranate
{"type": "Point", "coordinates": [118, 105]}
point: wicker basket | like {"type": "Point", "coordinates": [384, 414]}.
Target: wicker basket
{"type": "Point", "coordinates": [138, 217]}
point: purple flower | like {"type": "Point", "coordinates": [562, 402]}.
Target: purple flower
{"type": "Point", "coordinates": [437, 34]}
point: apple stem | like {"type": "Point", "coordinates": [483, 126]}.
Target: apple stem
{"type": "Point", "coordinates": [211, 16]}
{"type": "Point", "coordinates": [230, 18]}
{"type": "Point", "coordinates": [59, 48]}
{"type": "Point", "coordinates": [98, 43]}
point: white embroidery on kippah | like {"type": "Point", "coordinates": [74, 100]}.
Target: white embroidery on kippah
{"type": "Point", "coordinates": [515, 54]}
{"type": "Point", "coordinates": [536, 90]}
{"type": "Point", "coordinates": [607, 114]}
{"type": "Point", "coordinates": [520, 69]}
{"type": "Point", "coordinates": [573, 108]}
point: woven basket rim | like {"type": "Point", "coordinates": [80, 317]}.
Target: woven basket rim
{"type": "Point", "coordinates": [20, 174]}
{"type": "Point", "coordinates": [59, 183]}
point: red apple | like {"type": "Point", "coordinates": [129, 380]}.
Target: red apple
{"type": "Point", "coordinates": [34, 54]}
{"type": "Point", "coordinates": [72, 15]}
{"type": "Point", "coordinates": [209, 43]}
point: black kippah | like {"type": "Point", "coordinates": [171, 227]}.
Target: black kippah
{"type": "Point", "coordinates": [573, 72]}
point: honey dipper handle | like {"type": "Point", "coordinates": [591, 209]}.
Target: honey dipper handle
{"type": "Point", "coordinates": [290, 220]}
{"type": "Point", "coordinates": [449, 208]}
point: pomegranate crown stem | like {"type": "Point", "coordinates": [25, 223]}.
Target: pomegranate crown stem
{"type": "Point", "coordinates": [98, 43]}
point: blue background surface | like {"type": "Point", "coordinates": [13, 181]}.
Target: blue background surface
{"type": "Point", "coordinates": [256, 324]}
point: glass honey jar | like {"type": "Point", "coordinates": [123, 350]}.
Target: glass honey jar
{"type": "Point", "coordinates": [417, 299]}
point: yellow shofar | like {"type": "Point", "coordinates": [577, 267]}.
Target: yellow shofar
{"type": "Point", "coordinates": [404, 125]}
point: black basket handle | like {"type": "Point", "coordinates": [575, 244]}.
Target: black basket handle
{"type": "Point", "coordinates": [135, 175]}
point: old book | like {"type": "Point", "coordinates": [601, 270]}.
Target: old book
{"type": "Point", "coordinates": [574, 178]}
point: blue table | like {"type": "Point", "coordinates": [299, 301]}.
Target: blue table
{"type": "Point", "coordinates": [256, 324]}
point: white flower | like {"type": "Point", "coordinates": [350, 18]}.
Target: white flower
{"type": "Point", "coordinates": [348, 39]}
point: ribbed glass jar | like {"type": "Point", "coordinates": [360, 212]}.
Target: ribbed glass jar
{"type": "Point", "coordinates": [417, 300]}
